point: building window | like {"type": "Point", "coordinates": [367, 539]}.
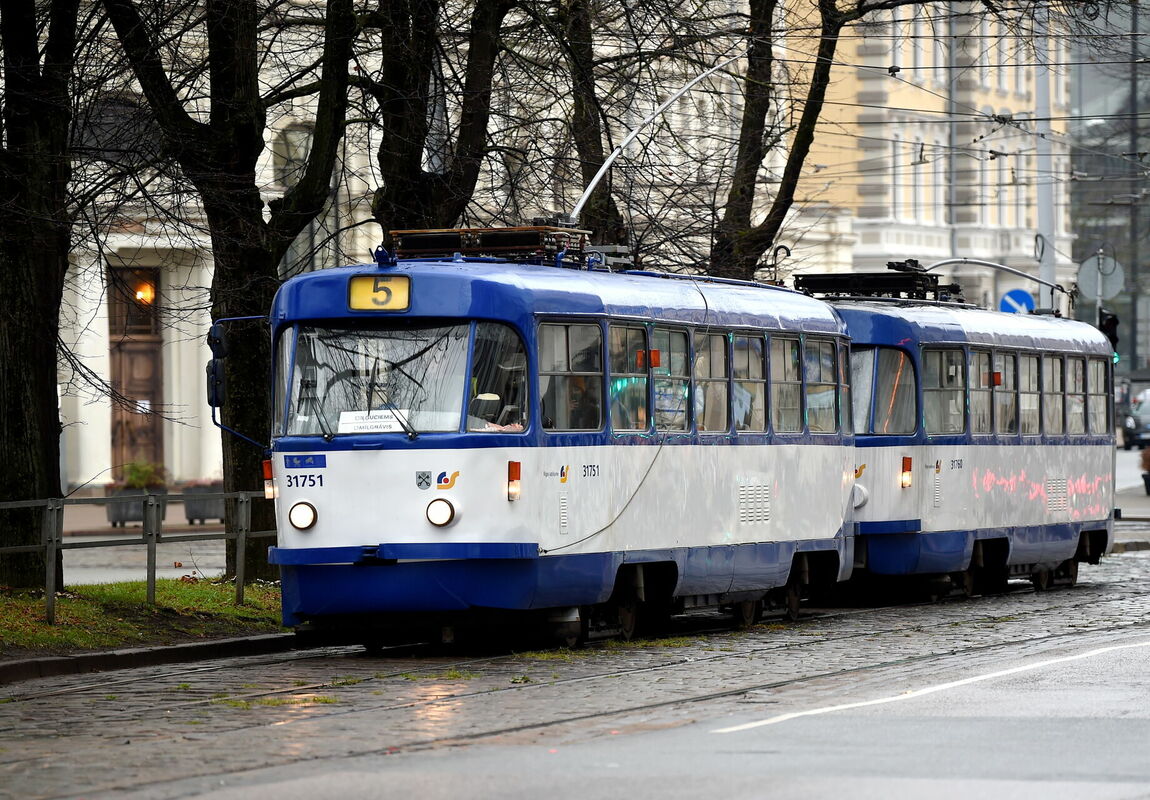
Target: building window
{"type": "Point", "coordinates": [896, 190]}
{"type": "Point", "coordinates": [133, 301]}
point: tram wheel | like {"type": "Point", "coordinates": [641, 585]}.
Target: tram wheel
{"type": "Point", "coordinates": [792, 600]}
{"type": "Point", "coordinates": [1067, 572]}
{"type": "Point", "coordinates": [747, 613]}
{"type": "Point", "coordinates": [571, 635]}
{"type": "Point", "coordinates": [965, 581]}
{"type": "Point", "coordinates": [629, 614]}
{"type": "Point", "coordinates": [1041, 580]}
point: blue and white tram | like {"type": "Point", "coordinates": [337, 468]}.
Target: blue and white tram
{"type": "Point", "coordinates": [985, 442]}
{"type": "Point", "coordinates": [466, 434]}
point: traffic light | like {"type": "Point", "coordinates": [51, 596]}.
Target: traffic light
{"type": "Point", "coordinates": [1108, 324]}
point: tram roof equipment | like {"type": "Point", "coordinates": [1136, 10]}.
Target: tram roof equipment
{"type": "Point", "coordinates": [532, 244]}
{"type": "Point", "coordinates": [908, 281]}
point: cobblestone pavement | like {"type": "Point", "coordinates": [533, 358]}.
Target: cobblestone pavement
{"type": "Point", "coordinates": [145, 729]}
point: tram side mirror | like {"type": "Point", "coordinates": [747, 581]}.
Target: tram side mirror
{"type": "Point", "coordinates": [216, 384]}
{"type": "Point", "coordinates": [216, 341]}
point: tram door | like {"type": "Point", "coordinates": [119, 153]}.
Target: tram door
{"type": "Point", "coordinates": [136, 367]}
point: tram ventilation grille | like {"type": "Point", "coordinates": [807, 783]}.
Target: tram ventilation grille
{"type": "Point", "coordinates": [937, 490]}
{"type": "Point", "coordinates": [563, 512]}
{"type": "Point", "coordinates": [1056, 496]}
{"type": "Point", "coordinates": [754, 504]}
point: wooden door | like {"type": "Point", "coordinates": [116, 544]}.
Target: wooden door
{"type": "Point", "coordinates": [136, 366]}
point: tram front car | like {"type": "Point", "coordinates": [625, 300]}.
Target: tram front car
{"type": "Point", "coordinates": [459, 436]}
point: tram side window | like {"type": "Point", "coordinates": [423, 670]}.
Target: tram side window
{"type": "Point", "coordinates": [819, 364]}
{"type": "Point", "coordinates": [862, 379]}
{"type": "Point", "coordinates": [786, 385]}
{"type": "Point", "coordinates": [1005, 393]}
{"type": "Point", "coordinates": [1098, 401]}
{"type": "Point", "coordinates": [1076, 395]}
{"type": "Point", "coordinates": [571, 376]}
{"type": "Point", "coordinates": [894, 401]}
{"type": "Point", "coordinates": [1053, 388]}
{"type": "Point", "coordinates": [750, 391]}
{"type": "Point", "coordinates": [944, 390]}
{"type": "Point", "coordinates": [1028, 394]}
{"type": "Point", "coordinates": [498, 400]}
{"type": "Point", "coordinates": [672, 380]}
{"type": "Point", "coordinates": [845, 383]}
{"type": "Point", "coordinates": [629, 357]}
{"type": "Point", "coordinates": [981, 384]}
{"type": "Point", "coordinates": [711, 381]}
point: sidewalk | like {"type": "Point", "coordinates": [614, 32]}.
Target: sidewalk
{"type": "Point", "coordinates": [92, 520]}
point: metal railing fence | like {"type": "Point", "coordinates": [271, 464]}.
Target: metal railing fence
{"type": "Point", "coordinates": [52, 539]}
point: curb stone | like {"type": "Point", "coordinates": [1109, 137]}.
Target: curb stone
{"type": "Point", "coordinates": [52, 666]}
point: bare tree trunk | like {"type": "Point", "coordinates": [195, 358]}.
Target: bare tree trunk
{"type": "Point", "coordinates": [600, 215]}
{"type": "Point", "coordinates": [410, 196]}
{"type": "Point", "coordinates": [35, 228]}
{"type": "Point", "coordinates": [220, 158]}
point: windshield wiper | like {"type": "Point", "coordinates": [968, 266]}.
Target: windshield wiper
{"type": "Point", "coordinates": [412, 434]}
{"type": "Point", "coordinates": [308, 395]}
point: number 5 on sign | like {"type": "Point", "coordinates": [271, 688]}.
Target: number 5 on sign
{"type": "Point", "coordinates": [379, 293]}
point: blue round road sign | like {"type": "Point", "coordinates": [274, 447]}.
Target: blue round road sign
{"type": "Point", "coordinates": [1017, 301]}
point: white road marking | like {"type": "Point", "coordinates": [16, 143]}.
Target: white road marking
{"type": "Point", "coordinates": [928, 690]}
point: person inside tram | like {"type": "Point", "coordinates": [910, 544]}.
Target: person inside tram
{"type": "Point", "coordinates": [498, 400]}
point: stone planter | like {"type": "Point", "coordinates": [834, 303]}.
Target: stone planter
{"type": "Point", "coordinates": [201, 509]}
{"type": "Point", "coordinates": [125, 511]}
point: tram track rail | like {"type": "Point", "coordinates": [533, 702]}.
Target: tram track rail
{"type": "Point", "coordinates": [419, 651]}
{"type": "Point", "coordinates": [703, 624]}
{"type": "Point", "coordinates": [905, 641]}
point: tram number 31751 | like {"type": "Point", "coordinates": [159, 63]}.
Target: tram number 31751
{"type": "Point", "coordinates": [304, 481]}
{"type": "Point", "coordinates": [590, 470]}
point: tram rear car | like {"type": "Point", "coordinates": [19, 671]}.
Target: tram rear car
{"type": "Point", "coordinates": [985, 443]}
{"type": "Point", "coordinates": [457, 436]}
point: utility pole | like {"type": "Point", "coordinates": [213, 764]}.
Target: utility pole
{"type": "Point", "coordinates": [1135, 106]}
{"type": "Point", "coordinates": [1044, 168]}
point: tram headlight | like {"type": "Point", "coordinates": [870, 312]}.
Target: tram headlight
{"type": "Point", "coordinates": [440, 512]}
{"type": "Point", "coordinates": [302, 516]}
{"type": "Point", "coordinates": [907, 477]}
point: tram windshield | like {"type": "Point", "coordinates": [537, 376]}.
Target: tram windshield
{"type": "Point", "coordinates": [410, 379]}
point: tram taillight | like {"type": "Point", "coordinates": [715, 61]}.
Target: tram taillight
{"type": "Point", "coordinates": [907, 477]}
{"type": "Point", "coordinates": [269, 484]}
{"type": "Point", "coordinates": [514, 469]}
